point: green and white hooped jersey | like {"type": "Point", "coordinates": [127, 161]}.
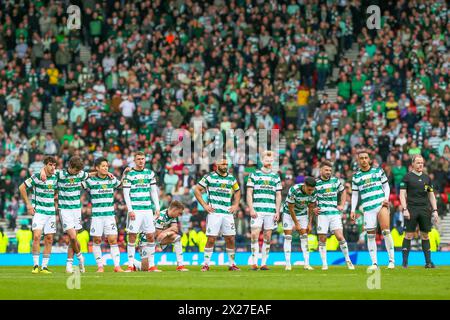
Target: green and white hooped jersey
{"type": "Point", "coordinates": [102, 195]}
{"type": "Point", "coordinates": [300, 199]}
{"type": "Point", "coordinates": [43, 198]}
{"type": "Point", "coordinates": [265, 187]}
{"type": "Point", "coordinates": [327, 195]}
{"type": "Point", "coordinates": [140, 184]}
{"type": "Point", "coordinates": [220, 190]}
{"type": "Point", "coordinates": [369, 184]}
{"type": "Point", "coordinates": [164, 221]}
{"type": "Point", "coordinates": [69, 189]}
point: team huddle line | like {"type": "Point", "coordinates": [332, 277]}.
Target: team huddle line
{"type": "Point", "coordinates": [59, 191]}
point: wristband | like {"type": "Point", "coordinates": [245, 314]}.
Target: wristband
{"type": "Point", "coordinates": [435, 210]}
{"type": "Point", "coordinates": [405, 209]}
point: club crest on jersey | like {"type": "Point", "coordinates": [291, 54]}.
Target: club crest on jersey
{"type": "Point", "coordinates": [223, 185]}
{"type": "Point", "coordinates": [266, 182]}
{"type": "Point", "coordinates": [72, 180]}
{"type": "Point", "coordinates": [141, 181]}
{"type": "Point", "coordinates": [367, 181]}
{"type": "Point", "coordinates": [50, 186]}
{"type": "Point", "coordinates": [104, 186]}
{"type": "Point", "coordinates": [328, 190]}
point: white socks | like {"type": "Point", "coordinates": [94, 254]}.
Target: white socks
{"type": "Point", "coordinates": [344, 249]}
{"type": "Point", "coordinates": [323, 253]}
{"type": "Point", "coordinates": [372, 246]}
{"type": "Point", "coordinates": [265, 252]}
{"type": "Point", "coordinates": [255, 251]}
{"type": "Point", "coordinates": [178, 250]}
{"type": "Point", "coordinates": [207, 255]}
{"type": "Point", "coordinates": [230, 253]}
{"type": "Point", "coordinates": [287, 249]}
{"type": "Point", "coordinates": [151, 251]}
{"type": "Point", "coordinates": [97, 249]}
{"type": "Point", "coordinates": [69, 263]}
{"type": "Point", "coordinates": [389, 242]}
{"type": "Point", "coordinates": [115, 254]}
{"type": "Point", "coordinates": [305, 249]}
{"type": "Point", "coordinates": [131, 249]}
{"type": "Point", "coordinates": [35, 259]}
{"type": "Point", "coordinates": [45, 259]}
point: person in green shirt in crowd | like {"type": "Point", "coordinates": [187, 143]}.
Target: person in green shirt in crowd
{"type": "Point", "coordinates": [344, 87]}
{"type": "Point", "coordinates": [379, 106]}
{"type": "Point", "coordinates": [95, 26]}
{"type": "Point", "coordinates": [357, 84]}
{"type": "Point", "coordinates": [398, 172]}
{"type": "Point", "coordinates": [414, 149]}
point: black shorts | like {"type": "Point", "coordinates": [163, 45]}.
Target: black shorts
{"type": "Point", "coordinates": [420, 216]}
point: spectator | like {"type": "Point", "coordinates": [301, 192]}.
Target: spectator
{"type": "Point", "coordinates": [24, 237]}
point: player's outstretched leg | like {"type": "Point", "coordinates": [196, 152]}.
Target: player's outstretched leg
{"type": "Point", "coordinates": [384, 219]}
{"type": "Point", "coordinates": [75, 246]}
{"type": "Point", "coordinates": [179, 253]}
{"type": "Point", "coordinates": [344, 248]}
{"type": "Point", "coordinates": [115, 252]}
{"type": "Point", "coordinates": [48, 242]}
{"type": "Point", "coordinates": [36, 250]}
{"type": "Point", "coordinates": [151, 248]}
{"type": "Point", "coordinates": [287, 246]}
{"type": "Point", "coordinates": [208, 252]}
{"type": "Point", "coordinates": [266, 245]}
{"type": "Point", "coordinates": [97, 249]}
{"type": "Point", "coordinates": [255, 247]}
{"type": "Point", "coordinates": [323, 250]}
{"type": "Point", "coordinates": [131, 250]}
{"type": "Point", "coordinates": [230, 248]}
{"type": "Point", "coordinates": [305, 250]}
{"type": "Point", "coordinates": [372, 247]}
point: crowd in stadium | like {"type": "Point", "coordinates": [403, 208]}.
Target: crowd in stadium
{"type": "Point", "coordinates": [156, 66]}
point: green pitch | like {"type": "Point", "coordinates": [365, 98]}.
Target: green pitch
{"type": "Point", "coordinates": [219, 283]}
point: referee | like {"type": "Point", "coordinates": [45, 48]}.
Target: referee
{"type": "Point", "coordinates": [416, 196]}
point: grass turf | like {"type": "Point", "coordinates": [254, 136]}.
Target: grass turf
{"type": "Point", "coordinates": [219, 283]}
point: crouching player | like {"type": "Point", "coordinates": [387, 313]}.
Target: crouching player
{"type": "Point", "coordinates": [166, 233]}
{"type": "Point", "coordinates": [101, 188]}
